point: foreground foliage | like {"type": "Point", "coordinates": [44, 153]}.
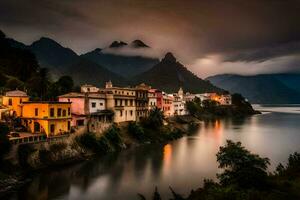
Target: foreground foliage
{"type": "Point", "coordinates": [244, 177]}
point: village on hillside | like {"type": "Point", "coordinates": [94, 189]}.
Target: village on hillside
{"type": "Point", "coordinates": [91, 110]}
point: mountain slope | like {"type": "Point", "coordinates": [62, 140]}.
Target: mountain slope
{"type": "Point", "coordinates": [124, 65]}
{"type": "Point", "coordinates": [169, 75]}
{"type": "Point", "coordinates": [52, 55]}
{"type": "Point", "coordinates": [290, 80]}
{"type": "Point", "coordinates": [265, 88]}
{"type": "Point", "coordinates": [86, 72]}
{"type": "Point", "coordinates": [64, 61]}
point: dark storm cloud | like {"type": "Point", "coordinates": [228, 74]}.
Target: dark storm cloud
{"type": "Point", "coordinates": [266, 53]}
{"type": "Point", "coordinates": [236, 30]}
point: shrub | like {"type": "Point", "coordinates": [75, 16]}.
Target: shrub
{"type": "Point", "coordinates": [155, 119]}
{"type": "Point", "coordinates": [45, 156]}
{"type": "Point", "coordinates": [87, 141]}
{"type": "Point", "coordinates": [137, 131]}
{"type": "Point", "coordinates": [4, 141]}
{"type": "Point", "coordinates": [90, 142]}
{"type": "Point", "coordinates": [24, 151]}
{"type": "Point", "coordinates": [112, 134]}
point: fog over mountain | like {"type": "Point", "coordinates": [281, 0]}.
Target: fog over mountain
{"type": "Point", "coordinates": [209, 37]}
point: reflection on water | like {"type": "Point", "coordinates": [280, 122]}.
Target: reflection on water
{"type": "Point", "coordinates": [182, 164]}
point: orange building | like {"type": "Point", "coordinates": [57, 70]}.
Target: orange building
{"type": "Point", "coordinates": [50, 118]}
{"type": "Point", "coordinates": [13, 100]}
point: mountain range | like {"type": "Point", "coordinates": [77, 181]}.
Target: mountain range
{"type": "Point", "coordinates": [100, 65]}
{"type": "Point", "coordinates": [263, 88]}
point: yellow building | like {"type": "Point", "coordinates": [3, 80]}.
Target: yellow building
{"type": "Point", "coordinates": [13, 100]}
{"type": "Point", "coordinates": [50, 118]}
{"type": "Point", "coordinates": [121, 101]}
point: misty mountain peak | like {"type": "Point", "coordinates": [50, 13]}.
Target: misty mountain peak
{"type": "Point", "coordinates": [139, 44]}
{"type": "Point", "coordinates": [117, 44]}
{"type": "Point", "coordinates": [169, 57]}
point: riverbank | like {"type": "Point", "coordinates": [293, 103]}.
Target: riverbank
{"type": "Point", "coordinates": [79, 147]}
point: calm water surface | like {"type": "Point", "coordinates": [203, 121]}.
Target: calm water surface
{"type": "Point", "coordinates": [182, 164]}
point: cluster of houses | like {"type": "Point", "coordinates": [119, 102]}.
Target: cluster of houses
{"type": "Point", "coordinates": [94, 108]}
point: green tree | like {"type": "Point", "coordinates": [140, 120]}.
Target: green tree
{"type": "Point", "coordinates": [4, 141]}
{"type": "Point", "coordinates": [155, 118]}
{"type": "Point", "coordinates": [38, 85]}
{"type": "Point", "coordinates": [241, 168]}
{"type": "Point", "coordinates": [65, 84]}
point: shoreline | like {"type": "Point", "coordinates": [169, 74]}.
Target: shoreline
{"type": "Point", "coordinates": [183, 123]}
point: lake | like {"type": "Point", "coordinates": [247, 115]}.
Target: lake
{"type": "Point", "coordinates": [182, 164]}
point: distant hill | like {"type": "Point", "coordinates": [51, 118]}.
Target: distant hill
{"type": "Point", "coordinates": [169, 75]}
{"type": "Point", "coordinates": [266, 88]}
{"type": "Point", "coordinates": [17, 64]}
{"type": "Point", "coordinates": [53, 56]}
{"type": "Point", "coordinates": [64, 61]}
{"type": "Point", "coordinates": [124, 65]}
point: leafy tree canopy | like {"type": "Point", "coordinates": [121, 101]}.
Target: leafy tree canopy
{"type": "Point", "coordinates": [241, 168]}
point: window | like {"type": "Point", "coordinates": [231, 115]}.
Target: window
{"type": "Point", "coordinates": [93, 105]}
{"type": "Point", "coordinates": [116, 102]}
{"type": "Point", "coordinates": [69, 111]}
{"type": "Point", "coordinates": [121, 113]}
{"type": "Point", "coordinates": [10, 102]}
{"type": "Point", "coordinates": [64, 113]}
{"type": "Point", "coordinates": [126, 102]}
{"type": "Point", "coordinates": [101, 104]}
{"type": "Point", "coordinates": [131, 102]}
{"type": "Point", "coordinates": [20, 100]}
{"type": "Point", "coordinates": [36, 111]}
{"type": "Point", "coordinates": [51, 112]}
{"type": "Point", "coordinates": [59, 112]}
{"type": "Point", "coordinates": [131, 112]}
{"type": "Point", "coordinates": [68, 100]}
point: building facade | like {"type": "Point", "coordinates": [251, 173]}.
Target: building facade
{"type": "Point", "coordinates": [50, 118]}
{"type": "Point", "coordinates": [122, 101]}
{"type": "Point", "coordinates": [179, 104]}
{"type": "Point", "coordinates": [13, 100]}
{"type": "Point", "coordinates": [152, 99]}
{"type": "Point", "coordinates": [167, 105]}
{"type": "Point", "coordinates": [142, 101]}
{"type": "Point", "coordinates": [88, 109]}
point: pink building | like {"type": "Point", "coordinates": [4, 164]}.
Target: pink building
{"type": "Point", "coordinates": [86, 106]}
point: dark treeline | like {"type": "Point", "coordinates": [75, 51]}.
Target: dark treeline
{"type": "Point", "coordinates": [19, 69]}
{"type": "Point", "coordinates": [209, 109]}
{"type": "Point", "coordinates": [244, 177]}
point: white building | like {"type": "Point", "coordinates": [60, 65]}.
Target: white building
{"type": "Point", "coordinates": [89, 88]}
{"type": "Point", "coordinates": [152, 99]}
{"type": "Point", "coordinates": [179, 103]}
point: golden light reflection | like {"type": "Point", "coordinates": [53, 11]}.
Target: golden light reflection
{"type": "Point", "coordinates": [217, 130]}
{"type": "Point", "coordinates": [167, 155]}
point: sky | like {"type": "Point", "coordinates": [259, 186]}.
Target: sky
{"type": "Point", "coordinates": [208, 37]}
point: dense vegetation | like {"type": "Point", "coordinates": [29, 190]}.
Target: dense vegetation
{"type": "Point", "coordinates": [152, 129]}
{"type": "Point", "coordinates": [211, 109]}
{"type": "Point", "coordinates": [245, 177]}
